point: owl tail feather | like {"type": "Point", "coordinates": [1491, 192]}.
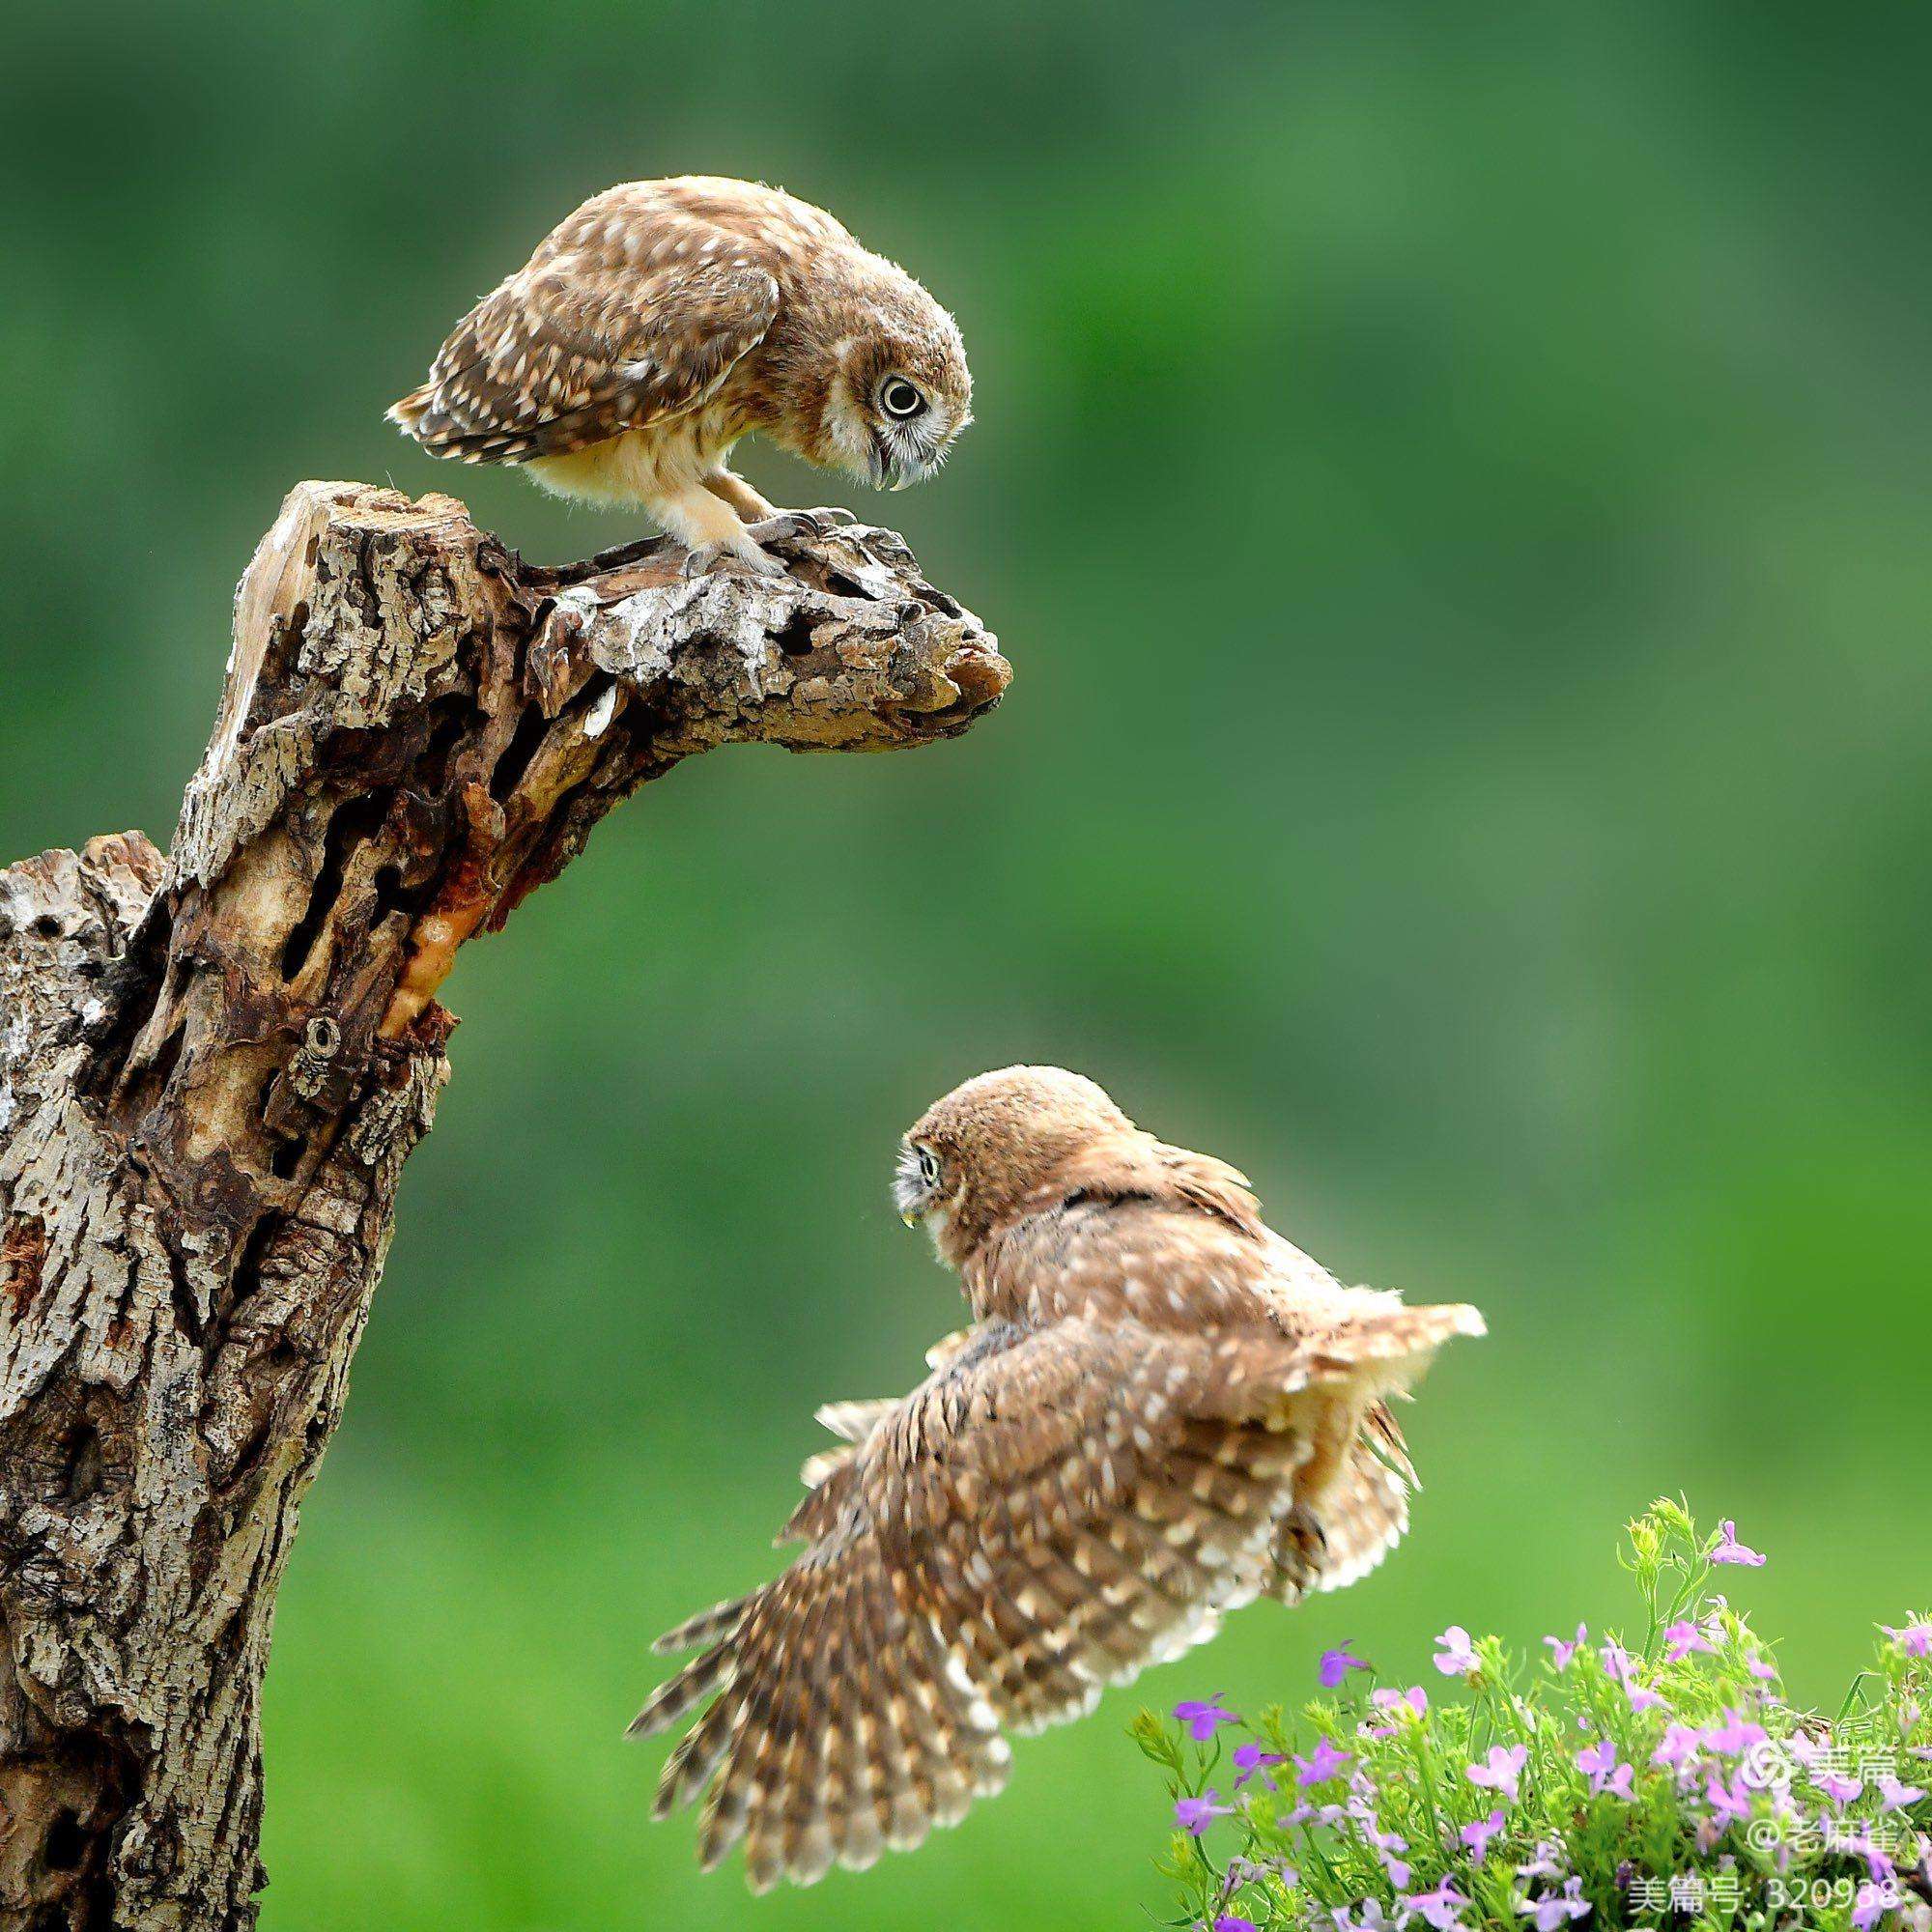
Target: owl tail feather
{"type": "Point", "coordinates": [1391, 1346]}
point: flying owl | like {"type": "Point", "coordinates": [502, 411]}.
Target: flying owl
{"type": "Point", "coordinates": [1161, 1410]}
{"type": "Point", "coordinates": [663, 321]}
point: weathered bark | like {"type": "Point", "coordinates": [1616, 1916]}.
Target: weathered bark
{"type": "Point", "coordinates": [212, 1067]}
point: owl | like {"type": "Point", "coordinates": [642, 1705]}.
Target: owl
{"type": "Point", "coordinates": [1160, 1412]}
{"type": "Point", "coordinates": [665, 320]}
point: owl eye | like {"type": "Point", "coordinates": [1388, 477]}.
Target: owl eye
{"type": "Point", "coordinates": [899, 399]}
{"type": "Point", "coordinates": [928, 1164]}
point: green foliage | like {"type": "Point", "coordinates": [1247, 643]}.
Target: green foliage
{"type": "Point", "coordinates": [1668, 1780]}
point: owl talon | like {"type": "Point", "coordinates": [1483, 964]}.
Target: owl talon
{"type": "Point", "coordinates": [794, 524]}
{"type": "Point", "coordinates": [1305, 1527]}
{"type": "Point", "coordinates": [703, 559]}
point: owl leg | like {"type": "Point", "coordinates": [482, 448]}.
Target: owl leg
{"type": "Point", "coordinates": [742, 498]}
{"type": "Point", "coordinates": [1331, 1432]}
{"type": "Point", "coordinates": [708, 527]}
{"type": "Point", "coordinates": [773, 522]}
{"type": "Point", "coordinates": [1300, 1549]}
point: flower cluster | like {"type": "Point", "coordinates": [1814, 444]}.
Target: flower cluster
{"type": "Point", "coordinates": [1663, 1784]}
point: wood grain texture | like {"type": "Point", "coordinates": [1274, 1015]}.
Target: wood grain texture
{"type": "Point", "coordinates": [214, 1064]}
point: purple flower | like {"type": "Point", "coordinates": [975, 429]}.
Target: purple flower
{"type": "Point", "coordinates": [1915, 1638]}
{"type": "Point", "coordinates": [1196, 1814]}
{"type": "Point", "coordinates": [1388, 1846]}
{"type": "Point", "coordinates": [1839, 1790]}
{"type": "Point", "coordinates": [1249, 1759]}
{"type": "Point", "coordinates": [1731, 1551]}
{"type": "Point", "coordinates": [1477, 1836]}
{"type": "Point", "coordinates": [1619, 1666]}
{"type": "Point", "coordinates": [1441, 1908]}
{"type": "Point", "coordinates": [1606, 1775]}
{"type": "Point", "coordinates": [1871, 1905]}
{"type": "Point", "coordinates": [1320, 1814]}
{"type": "Point", "coordinates": [1320, 1764]}
{"type": "Point", "coordinates": [1858, 1843]}
{"type": "Point", "coordinates": [1396, 1702]}
{"type": "Point", "coordinates": [1385, 1842]}
{"type": "Point", "coordinates": [1543, 1861]}
{"type": "Point", "coordinates": [1501, 1769]}
{"type": "Point", "coordinates": [1230, 1922]}
{"type": "Point", "coordinates": [1456, 1656]}
{"type": "Point", "coordinates": [1762, 1668]}
{"type": "Point", "coordinates": [1735, 1736]}
{"type": "Point", "coordinates": [1373, 1919]}
{"type": "Point", "coordinates": [1894, 1796]}
{"type": "Point", "coordinates": [1201, 1717]}
{"type": "Point", "coordinates": [1251, 1872]}
{"type": "Point", "coordinates": [1730, 1804]}
{"type": "Point", "coordinates": [1560, 1652]}
{"type": "Point", "coordinates": [1681, 1638]}
{"type": "Point", "coordinates": [1554, 1908]}
{"type": "Point", "coordinates": [1336, 1664]}
{"type": "Point", "coordinates": [1679, 1747]}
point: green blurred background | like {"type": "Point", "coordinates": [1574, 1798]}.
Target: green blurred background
{"type": "Point", "coordinates": [1453, 483]}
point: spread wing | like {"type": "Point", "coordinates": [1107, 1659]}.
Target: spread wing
{"type": "Point", "coordinates": [577, 347]}
{"type": "Point", "coordinates": [1050, 1512]}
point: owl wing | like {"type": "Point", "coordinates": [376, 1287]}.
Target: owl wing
{"type": "Point", "coordinates": [1051, 1512]}
{"type": "Point", "coordinates": [573, 350]}
{"type": "Point", "coordinates": [852, 1422]}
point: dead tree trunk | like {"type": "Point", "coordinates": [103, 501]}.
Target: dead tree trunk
{"type": "Point", "coordinates": [214, 1064]}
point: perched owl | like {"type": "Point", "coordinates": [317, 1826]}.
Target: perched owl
{"type": "Point", "coordinates": [1161, 1410]}
{"type": "Point", "coordinates": [663, 321]}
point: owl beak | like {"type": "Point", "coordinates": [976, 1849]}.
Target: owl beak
{"type": "Point", "coordinates": [894, 468]}
{"type": "Point", "coordinates": [909, 1195]}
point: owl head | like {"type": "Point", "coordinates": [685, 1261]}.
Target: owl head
{"type": "Point", "coordinates": [893, 389]}
{"type": "Point", "coordinates": [991, 1144]}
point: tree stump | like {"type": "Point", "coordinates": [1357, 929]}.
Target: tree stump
{"type": "Point", "coordinates": [212, 1067]}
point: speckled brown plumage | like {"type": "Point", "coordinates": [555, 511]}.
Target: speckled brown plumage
{"type": "Point", "coordinates": [665, 319]}
{"type": "Point", "coordinates": [1161, 1410]}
